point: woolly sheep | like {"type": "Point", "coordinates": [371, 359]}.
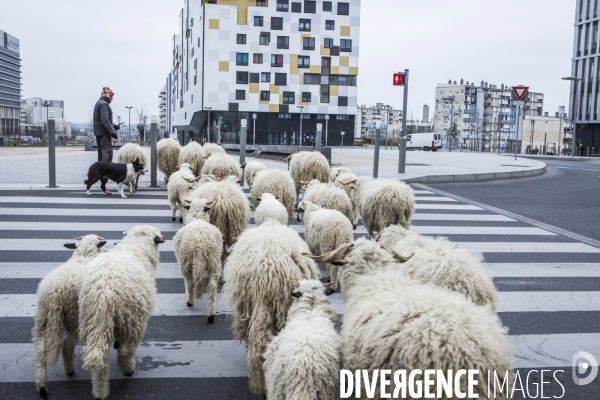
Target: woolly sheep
{"type": "Point", "coordinates": [57, 310]}
{"type": "Point", "coordinates": [303, 361]}
{"type": "Point", "coordinates": [115, 302]}
{"type": "Point", "coordinates": [167, 155]}
{"type": "Point", "coordinates": [129, 153]}
{"type": "Point", "coordinates": [252, 168]}
{"type": "Point", "coordinates": [330, 197]}
{"type": "Point", "coordinates": [326, 230]}
{"type": "Point", "coordinates": [270, 207]}
{"type": "Point", "coordinates": [221, 166]}
{"type": "Point", "coordinates": [230, 211]}
{"type": "Point", "coordinates": [211, 148]}
{"type": "Point", "coordinates": [437, 261]}
{"type": "Point", "coordinates": [198, 247]}
{"type": "Point", "coordinates": [392, 321]}
{"type": "Point", "coordinates": [347, 182]}
{"type": "Point", "coordinates": [193, 154]}
{"type": "Point", "coordinates": [256, 275]}
{"type": "Point", "coordinates": [306, 166]}
{"type": "Point", "coordinates": [279, 183]}
{"type": "Point", "coordinates": [335, 172]}
{"type": "Point", "coordinates": [179, 188]}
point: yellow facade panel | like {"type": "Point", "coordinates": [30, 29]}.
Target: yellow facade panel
{"type": "Point", "coordinates": [273, 107]}
{"type": "Point", "coordinates": [324, 51]}
{"type": "Point", "coordinates": [253, 88]}
{"type": "Point", "coordinates": [213, 23]}
{"type": "Point", "coordinates": [353, 71]}
{"type": "Point", "coordinates": [294, 70]}
{"type": "Point", "coordinates": [344, 61]}
{"type": "Point", "coordinates": [274, 89]}
{"type": "Point", "coordinates": [344, 30]}
{"type": "Point", "coordinates": [335, 70]}
{"type": "Point", "coordinates": [223, 66]}
{"type": "Point", "coordinates": [315, 69]}
{"type": "Point", "coordinates": [333, 90]}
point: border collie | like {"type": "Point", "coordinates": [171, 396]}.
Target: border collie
{"type": "Point", "coordinates": [119, 173]}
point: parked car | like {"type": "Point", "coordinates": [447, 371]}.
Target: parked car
{"type": "Point", "coordinates": [424, 141]}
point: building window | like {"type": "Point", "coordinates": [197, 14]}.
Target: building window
{"type": "Point", "coordinates": [276, 60]}
{"type": "Point", "coordinates": [346, 45]}
{"type": "Point", "coordinates": [303, 62]}
{"type": "Point", "coordinates": [329, 25]}
{"type": "Point", "coordinates": [265, 95]}
{"type": "Point", "coordinates": [280, 79]}
{"type": "Point", "coordinates": [258, 21]}
{"type": "Point", "coordinates": [240, 95]}
{"type": "Point", "coordinates": [276, 23]}
{"type": "Point", "coordinates": [192, 52]}
{"type": "Point", "coordinates": [309, 43]}
{"type": "Point", "coordinates": [334, 51]}
{"type": "Point", "coordinates": [264, 38]}
{"type": "Point", "coordinates": [288, 97]}
{"type": "Point", "coordinates": [310, 6]}
{"type": "Point", "coordinates": [261, 3]}
{"type": "Point", "coordinates": [306, 97]}
{"type": "Point", "coordinates": [324, 94]}
{"type": "Point", "coordinates": [241, 38]}
{"type": "Point", "coordinates": [241, 77]}
{"type": "Point", "coordinates": [296, 7]}
{"type": "Point", "coordinates": [241, 59]}
{"type": "Point", "coordinates": [285, 115]}
{"type": "Point", "coordinates": [304, 25]}
{"type": "Point", "coordinates": [326, 6]}
{"type": "Point", "coordinates": [254, 77]}
{"type": "Point", "coordinates": [257, 58]}
{"type": "Point", "coordinates": [198, 42]}
{"type": "Point", "coordinates": [195, 63]}
{"type": "Point", "coordinates": [283, 5]}
{"type": "Point", "coordinates": [192, 98]}
{"type": "Point", "coordinates": [343, 9]}
{"type": "Point", "coordinates": [328, 43]}
{"type": "Point", "coordinates": [343, 101]}
{"type": "Point", "coordinates": [265, 77]}
{"type": "Point", "coordinates": [342, 117]}
{"type": "Point", "coordinates": [283, 42]}
{"type": "Point", "coordinates": [312, 79]}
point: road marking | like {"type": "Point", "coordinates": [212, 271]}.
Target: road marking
{"type": "Point", "coordinates": [526, 247]}
{"type": "Point", "coordinates": [98, 198]}
{"type": "Point", "coordinates": [446, 207]}
{"type": "Point", "coordinates": [479, 230]}
{"type": "Point", "coordinates": [460, 217]}
{"type": "Point", "coordinates": [543, 270]}
{"type": "Point", "coordinates": [552, 351]}
{"type": "Point", "coordinates": [38, 270]}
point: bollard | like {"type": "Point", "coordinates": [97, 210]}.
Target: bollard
{"type": "Point", "coordinates": [51, 154]}
{"type": "Point", "coordinates": [243, 149]}
{"type": "Point", "coordinates": [402, 159]}
{"type": "Point", "coordinates": [318, 137]}
{"type": "Point", "coordinates": [153, 134]}
{"type": "Point", "coordinates": [376, 158]}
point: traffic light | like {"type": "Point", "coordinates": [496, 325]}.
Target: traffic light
{"type": "Point", "coordinates": [398, 79]}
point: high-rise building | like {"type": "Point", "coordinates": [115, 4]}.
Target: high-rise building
{"type": "Point", "coordinates": [10, 86]}
{"type": "Point", "coordinates": [271, 62]}
{"type": "Point", "coordinates": [164, 114]}
{"type": "Point", "coordinates": [585, 94]}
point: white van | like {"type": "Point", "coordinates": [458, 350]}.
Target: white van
{"type": "Point", "coordinates": [424, 141]}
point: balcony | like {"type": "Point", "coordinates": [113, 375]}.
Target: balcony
{"type": "Point", "coordinates": [487, 104]}
{"type": "Point", "coordinates": [487, 113]}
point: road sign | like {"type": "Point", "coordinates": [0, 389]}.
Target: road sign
{"type": "Point", "coordinates": [519, 103]}
{"type": "Point", "coordinates": [519, 92]}
{"type": "Point", "coordinates": [342, 133]}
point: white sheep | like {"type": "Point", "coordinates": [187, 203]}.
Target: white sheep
{"type": "Point", "coordinates": [167, 155]}
{"type": "Point", "coordinates": [279, 183]}
{"type": "Point", "coordinates": [303, 361]}
{"type": "Point", "coordinates": [392, 321]}
{"type": "Point", "coordinates": [221, 166]}
{"type": "Point", "coordinates": [211, 148]}
{"type": "Point", "coordinates": [270, 207]}
{"type": "Point", "coordinates": [330, 197]}
{"type": "Point", "coordinates": [179, 188]}
{"type": "Point", "coordinates": [193, 154]}
{"type": "Point", "coordinates": [326, 230]}
{"type": "Point", "coordinates": [256, 275]}
{"type": "Point", "coordinates": [252, 167]}
{"type": "Point", "coordinates": [347, 182]}
{"type": "Point", "coordinates": [198, 247]}
{"type": "Point", "coordinates": [230, 211]}
{"type": "Point", "coordinates": [129, 153]}
{"type": "Point", "coordinates": [306, 166]}
{"type": "Point", "coordinates": [335, 172]}
{"type": "Point", "coordinates": [115, 302]}
{"type": "Point", "coordinates": [57, 310]}
{"type": "Point", "coordinates": [439, 262]}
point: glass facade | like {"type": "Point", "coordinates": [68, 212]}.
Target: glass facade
{"type": "Point", "coordinates": [10, 86]}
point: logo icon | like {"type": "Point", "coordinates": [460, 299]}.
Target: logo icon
{"type": "Point", "coordinates": [584, 363]}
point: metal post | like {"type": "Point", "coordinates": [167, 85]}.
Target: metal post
{"type": "Point", "coordinates": [318, 137]}
{"type": "Point", "coordinates": [243, 149]}
{"type": "Point", "coordinates": [517, 128]}
{"type": "Point", "coordinates": [219, 130]}
{"type": "Point", "coordinates": [376, 160]}
{"type": "Point", "coordinates": [326, 132]}
{"type": "Point", "coordinates": [51, 154]}
{"type": "Point", "coordinates": [129, 129]}
{"type": "Point", "coordinates": [153, 136]}
{"type": "Point", "coordinates": [301, 134]}
{"type": "Point", "coordinates": [574, 118]}
{"type": "Point", "coordinates": [209, 127]}
{"type": "Point", "coordinates": [254, 129]}
{"type": "Point", "coordinates": [402, 144]}
{"type": "Point", "coordinates": [545, 133]}
{"type": "Point", "coordinates": [559, 133]}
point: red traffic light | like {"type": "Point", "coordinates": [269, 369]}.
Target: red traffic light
{"type": "Point", "coordinates": [398, 79]}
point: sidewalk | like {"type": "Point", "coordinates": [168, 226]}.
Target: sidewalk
{"type": "Point", "coordinates": [31, 167]}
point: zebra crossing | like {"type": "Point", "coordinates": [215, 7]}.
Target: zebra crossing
{"type": "Point", "coordinates": [549, 287]}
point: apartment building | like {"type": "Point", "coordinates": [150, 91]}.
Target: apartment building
{"type": "Point", "coordinates": [271, 62]}
{"type": "Point", "coordinates": [10, 85]}
{"type": "Point", "coordinates": [164, 109]}
{"type": "Point", "coordinates": [484, 113]}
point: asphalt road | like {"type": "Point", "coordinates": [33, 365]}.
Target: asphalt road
{"type": "Point", "coordinates": [566, 196]}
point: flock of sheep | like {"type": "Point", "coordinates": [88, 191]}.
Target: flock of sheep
{"type": "Point", "coordinates": [410, 301]}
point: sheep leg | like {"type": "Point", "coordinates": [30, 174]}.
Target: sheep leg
{"type": "Point", "coordinates": [40, 372]}
{"type": "Point", "coordinates": [188, 281]}
{"type": "Point", "coordinates": [126, 357]}
{"type": "Point", "coordinates": [68, 353]}
{"type": "Point", "coordinates": [355, 220]}
{"type": "Point", "coordinates": [182, 212]}
{"type": "Point", "coordinates": [173, 209]}
{"type": "Point", "coordinates": [100, 386]}
{"type": "Point", "coordinates": [211, 290]}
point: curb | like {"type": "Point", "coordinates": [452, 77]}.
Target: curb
{"type": "Point", "coordinates": [558, 158]}
{"type": "Point", "coordinates": [487, 176]}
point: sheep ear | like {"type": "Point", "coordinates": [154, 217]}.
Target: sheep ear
{"type": "Point", "coordinates": [296, 294]}
{"type": "Point", "coordinates": [186, 207]}
{"type": "Point", "coordinates": [206, 209]}
{"type": "Point", "coordinates": [243, 165]}
{"type": "Point", "coordinates": [277, 197]}
{"type": "Point", "coordinates": [100, 244]}
{"type": "Point", "coordinates": [79, 238]}
{"type": "Point", "coordinates": [397, 256]}
{"type": "Point", "coordinates": [288, 159]}
{"type": "Point", "coordinates": [294, 283]}
{"type": "Point", "coordinates": [71, 246]}
{"type": "Point", "coordinates": [188, 201]}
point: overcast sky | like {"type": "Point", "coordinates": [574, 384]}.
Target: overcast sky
{"type": "Point", "coordinates": [71, 48]}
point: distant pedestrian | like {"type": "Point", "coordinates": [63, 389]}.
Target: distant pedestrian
{"type": "Point", "coordinates": [104, 129]}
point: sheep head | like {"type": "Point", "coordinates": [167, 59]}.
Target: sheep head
{"type": "Point", "coordinates": [312, 288]}
{"type": "Point", "coordinates": [335, 257]}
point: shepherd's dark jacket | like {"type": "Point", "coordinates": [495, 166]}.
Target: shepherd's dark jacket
{"type": "Point", "coordinates": [103, 125]}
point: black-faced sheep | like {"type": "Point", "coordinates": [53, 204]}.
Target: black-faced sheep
{"type": "Point", "coordinates": [129, 153]}
{"type": "Point", "coordinates": [167, 156]}
{"type": "Point", "coordinates": [279, 183]}
{"type": "Point", "coordinates": [58, 310]}
{"type": "Point", "coordinates": [193, 154]}
{"type": "Point", "coordinates": [306, 166]}
{"type": "Point", "coordinates": [270, 207]}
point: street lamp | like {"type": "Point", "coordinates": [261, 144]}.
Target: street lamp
{"type": "Point", "coordinates": [326, 123]}
{"type": "Point", "coordinates": [575, 111]}
{"type": "Point", "coordinates": [301, 136]}
{"type": "Point", "coordinates": [209, 127]}
{"type": "Point", "coordinates": [129, 129]}
{"type": "Point", "coordinates": [254, 129]}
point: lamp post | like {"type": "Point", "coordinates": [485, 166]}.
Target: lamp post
{"type": "Point", "coordinates": [301, 136]}
{"type": "Point", "coordinates": [129, 129]}
{"type": "Point", "coordinates": [209, 127]}
{"type": "Point", "coordinates": [326, 123]}
{"type": "Point", "coordinates": [575, 111]}
{"type": "Point", "coordinates": [254, 129]}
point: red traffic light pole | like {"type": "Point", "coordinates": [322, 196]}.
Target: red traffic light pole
{"type": "Point", "coordinates": [401, 79]}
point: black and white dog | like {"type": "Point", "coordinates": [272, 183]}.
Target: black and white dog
{"type": "Point", "coordinates": [119, 173]}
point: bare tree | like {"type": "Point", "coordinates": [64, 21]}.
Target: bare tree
{"type": "Point", "coordinates": [531, 133]}
{"type": "Point", "coordinates": [142, 118]}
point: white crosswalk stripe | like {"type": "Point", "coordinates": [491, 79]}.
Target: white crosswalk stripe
{"type": "Point", "coordinates": [537, 273]}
